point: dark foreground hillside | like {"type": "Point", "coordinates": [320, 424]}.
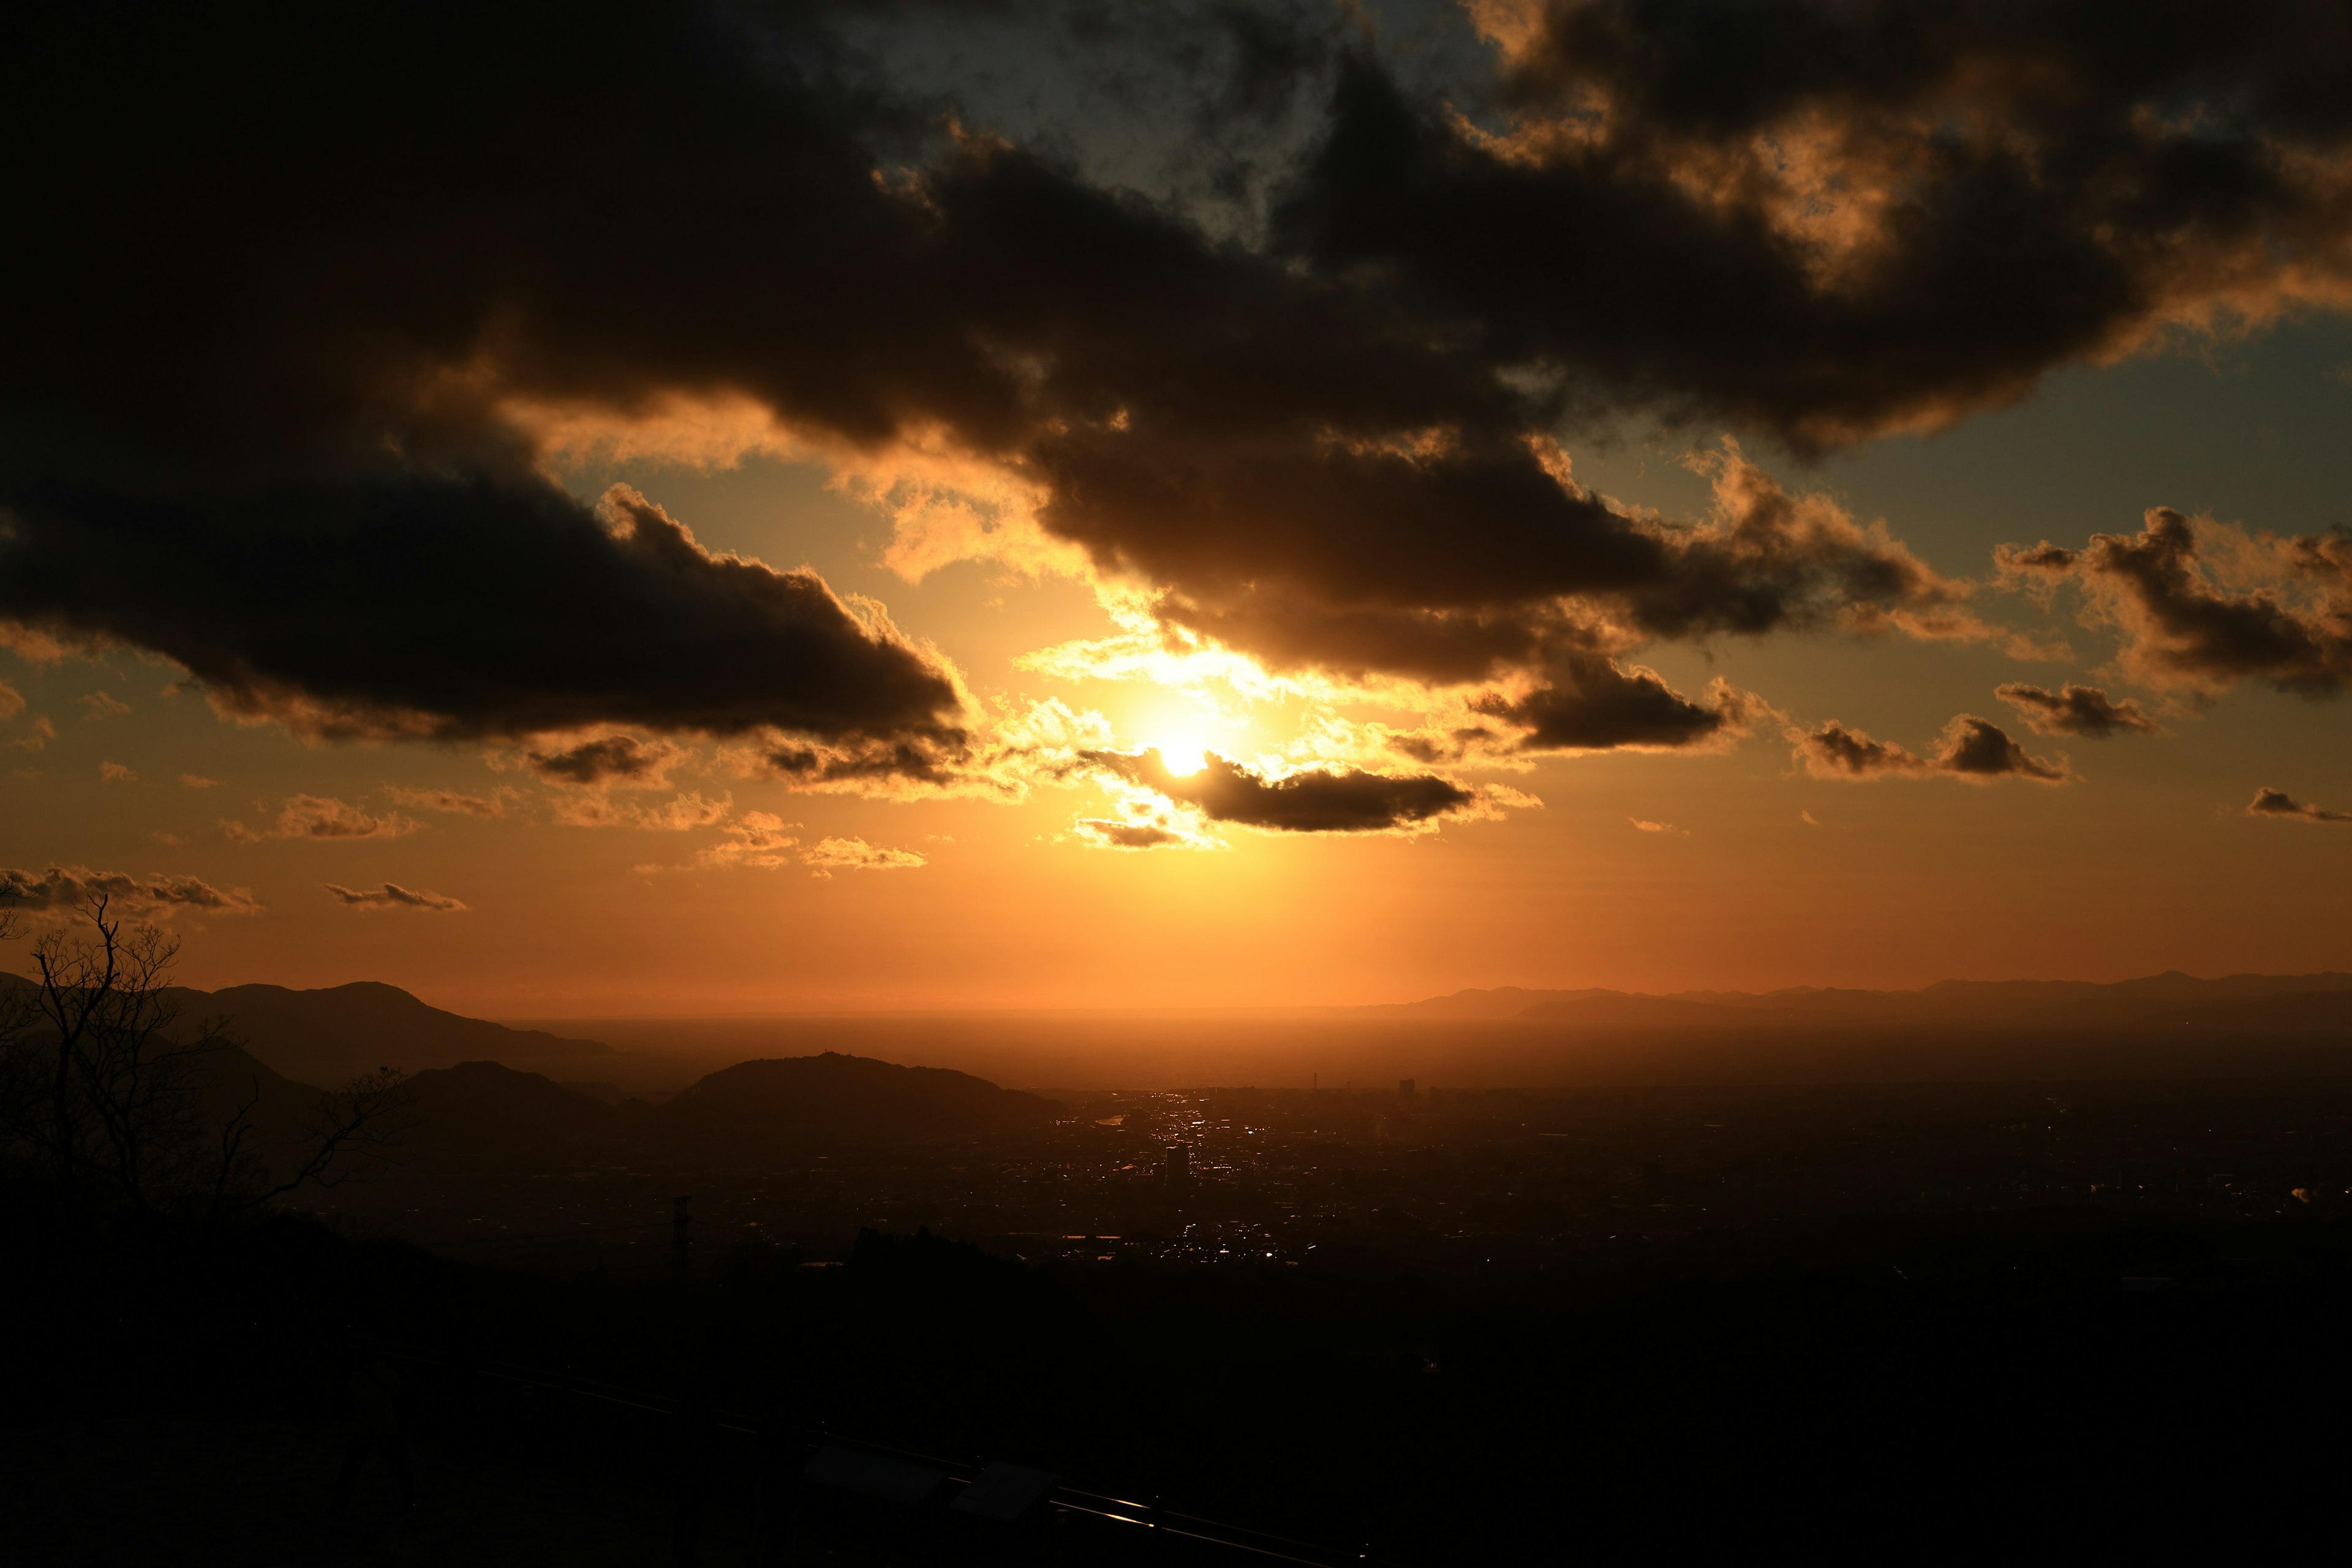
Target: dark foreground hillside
{"type": "Point", "coordinates": [2019, 1383]}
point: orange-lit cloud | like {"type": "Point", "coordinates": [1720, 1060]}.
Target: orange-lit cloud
{"type": "Point", "coordinates": [1973, 750]}
{"type": "Point", "coordinates": [62, 888]}
{"type": "Point", "coordinates": [392, 896]}
{"type": "Point", "coordinates": [323, 817]}
{"type": "Point", "coordinates": [490, 805]}
{"type": "Point", "coordinates": [2277, 802]}
{"type": "Point", "coordinates": [2287, 623]}
{"type": "Point", "coordinates": [2074, 709]}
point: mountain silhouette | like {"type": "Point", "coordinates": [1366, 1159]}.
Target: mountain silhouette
{"type": "Point", "coordinates": [842, 1099]}
{"type": "Point", "coordinates": [330, 1033]}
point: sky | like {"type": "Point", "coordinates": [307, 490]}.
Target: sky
{"type": "Point", "coordinates": [654, 510]}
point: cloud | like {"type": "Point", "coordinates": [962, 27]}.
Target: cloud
{"type": "Point", "coordinates": [12, 702]}
{"type": "Point", "coordinates": [1647, 827]}
{"type": "Point", "coordinates": [2074, 709]}
{"type": "Point", "coordinates": [101, 706]}
{"type": "Point", "coordinates": [831, 855]}
{"type": "Point", "coordinates": [759, 838]}
{"type": "Point", "coordinates": [392, 896]}
{"type": "Point", "coordinates": [2269, 802]}
{"type": "Point", "coordinates": [1342, 800]}
{"type": "Point", "coordinates": [762, 841]}
{"type": "Point", "coordinates": [1586, 702]}
{"type": "Point", "coordinates": [154, 896]}
{"type": "Point", "coordinates": [1830, 220]}
{"type": "Point", "coordinates": [323, 817]}
{"type": "Point", "coordinates": [608, 760]}
{"type": "Point", "coordinates": [1322, 438]}
{"type": "Point", "coordinates": [36, 734]}
{"type": "Point", "coordinates": [115, 773]}
{"type": "Point", "coordinates": [301, 375]}
{"type": "Point", "coordinates": [453, 802]}
{"type": "Point", "coordinates": [1112, 834]}
{"type": "Point", "coordinates": [2184, 630]}
{"type": "Point", "coordinates": [197, 780]}
{"type": "Point", "coordinates": [673, 816]}
{"type": "Point", "coordinates": [1970, 748]}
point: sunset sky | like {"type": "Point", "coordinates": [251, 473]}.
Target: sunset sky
{"type": "Point", "coordinates": [624, 508]}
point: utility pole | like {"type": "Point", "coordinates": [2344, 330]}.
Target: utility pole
{"type": "Point", "coordinates": [679, 1221]}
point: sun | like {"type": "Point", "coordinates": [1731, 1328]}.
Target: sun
{"type": "Point", "coordinates": [1182, 752]}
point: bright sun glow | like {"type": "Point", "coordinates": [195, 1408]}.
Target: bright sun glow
{"type": "Point", "coordinates": [1182, 753]}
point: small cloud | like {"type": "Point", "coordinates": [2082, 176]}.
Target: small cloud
{"type": "Point", "coordinates": [1808, 818]}
{"type": "Point", "coordinates": [115, 773]}
{"type": "Point", "coordinates": [2269, 802]}
{"type": "Point", "coordinates": [679, 814]}
{"type": "Point", "coordinates": [197, 780]}
{"type": "Point", "coordinates": [1651, 827]}
{"type": "Point", "coordinates": [36, 734]}
{"type": "Point", "coordinates": [98, 705]}
{"type": "Point", "coordinates": [154, 896]}
{"type": "Point", "coordinates": [2084, 710]}
{"type": "Point", "coordinates": [12, 702]}
{"type": "Point", "coordinates": [454, 802]}
{"type": "Point", "coordinates": [171, 840]}
{"type": "Point", "coordinates": [392, 896]}
{"type": "Point", "coordinates": [323, 817]}
{"type": "Point", "coordinates": [1971, 749]}
{"type": "Point", "coordinates": [855, 855]}
{"type": "Point", "coordinates": [609, 759]}
{"type": "Point", "coordinates": [1115, 835]}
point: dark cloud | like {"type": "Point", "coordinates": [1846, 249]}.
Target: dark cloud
{"type": "Point", "coordinates": [2182, 629]}
{"type": "Point", "coordinates": [416, 605]}
{"type": "Point", "coordinates": [2269, 802]}
{"type": "Point", "coordinates": [1590, 703]}
{"type": "Point", "coordinates": [2074, 709]}
{"type": "Point", "coordinates": [1969, 748]}
{"type": "Point", "coordinates": [1336, 801]}
{"type": "Point", "coordinates": [154, 896]}
{"type": "Point", "coordinates": [609, 759]}
{"type": "Point", "coordinates": [303, 343]}
{"type": "Point", "coordinates": [1117, 835]}
{"type": "Point", "coordinates": [1827, 220]}
{"type": "Point", "coordinates": [392, 896]}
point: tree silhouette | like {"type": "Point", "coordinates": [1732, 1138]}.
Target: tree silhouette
{"type": "Point", "coordinates": [124, 1107]}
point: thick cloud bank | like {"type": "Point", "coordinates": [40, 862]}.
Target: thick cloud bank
{"type": "Point", "coordinates": [318, 290]}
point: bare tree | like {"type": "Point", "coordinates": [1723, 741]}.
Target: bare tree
{"type": "Point", "coordinates": [122, 1087]}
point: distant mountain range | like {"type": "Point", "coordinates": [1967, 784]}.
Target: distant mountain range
{"type": "Point", "coordinates": [2250, 1003]}
{"type": "Point", "coordinates": [338, 1031]}
{"type": "Point", "coordinates": [487, 1112]}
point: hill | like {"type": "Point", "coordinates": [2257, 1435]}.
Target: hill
{"type": "Point", "coordinates": [338, 1031]}
{"type": "Point", "coordinates": [838, 1099]}
{"type": "Point", "coordinates": [486, 1113]}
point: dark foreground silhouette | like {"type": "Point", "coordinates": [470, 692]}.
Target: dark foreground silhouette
{"type": "Point", "coordinates": [1959, 1385]}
